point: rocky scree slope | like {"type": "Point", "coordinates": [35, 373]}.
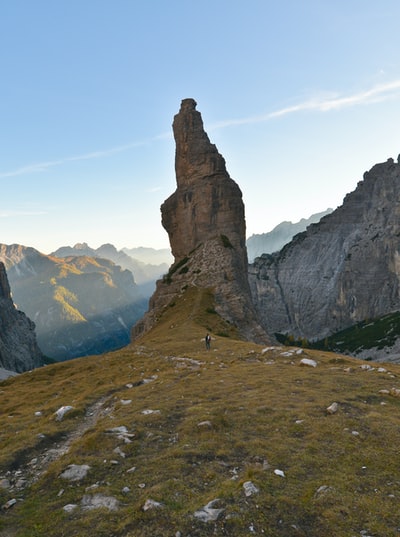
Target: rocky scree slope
{"type": "Point", "coordinates": [343, 270]}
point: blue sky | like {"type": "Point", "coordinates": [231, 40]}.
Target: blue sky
{"type": "Point", "coordinates": [300, 97]}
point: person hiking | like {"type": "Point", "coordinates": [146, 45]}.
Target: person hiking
{"type": "Point", "coordinates": [208, 341]}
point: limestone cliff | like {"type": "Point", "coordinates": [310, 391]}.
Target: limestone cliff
{"type": "Point", "coordinates": [205, 222]}
{"type": "Point", "coordinates": [18, 347]}
{"type": "Point", "coordinates": [340, 271]}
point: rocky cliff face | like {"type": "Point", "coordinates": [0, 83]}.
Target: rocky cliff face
{"type": "Point", "coordinates": [275, 240]}
{"type": "Point", "coordinates": [205, 222]}
{"type": "Point", "coordinates": [340, 271]}
{"type": "Point", "coordinates": [18, 347]}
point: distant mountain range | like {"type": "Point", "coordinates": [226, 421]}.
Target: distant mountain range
{"type": "Point", "coordinates": [274, 240]}
{"type": "Point", "coordinates": [146, 264]}
{"type": "Point", "coordinates": [80, 305]}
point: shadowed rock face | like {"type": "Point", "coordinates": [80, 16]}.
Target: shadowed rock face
{"type": "Point", "coordinates": [18, 347]}
{"type": "Point", "coordinates": [206, 225]}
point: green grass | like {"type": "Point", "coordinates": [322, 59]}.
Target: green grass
{"type": "Point", "coordinates": [265, 412]}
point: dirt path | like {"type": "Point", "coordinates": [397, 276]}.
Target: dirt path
{"type": "Point", "coordinates": [31, 471]}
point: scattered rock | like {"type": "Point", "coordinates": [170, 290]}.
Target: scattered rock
{"type": "Point", "coordinates": [119, 452]}
{"type": "Point", "coordinates": [98, 501]}
{"type": "Point", "coordinates": [131, 470]}
{"type": "Point", "coordinates": [126, 490]}
{"type": "Point", "coordinates": [149, 411]}
{"type": "Point", "coordinates": [151, 504]}
{"type": "Point", "coordinates": [322, 490]}
{"type": "Point", "coordinates": [126, 401]}
{"type": "Point", "coordinates": [75, 472]}
{"type": "Point", "coordinates": [5, 483]}
{"type": "Point", "coordinates": [205, 424]}
{"type": "Point", "coordinates": [60, 413]}
{"type": "Point", "coordinates": [279, 472]}
{"type": "Point", "coordinates": [367, 367]}
{"type": "Point", "coordinates": [70, 507]}
{"type": "Point", "coordinates": [38, 413]}
{"type": "Point", "coordinates": [209, 513]}
{"type": "Point", "coordinates": [309, 362]}
{"type": "Point", "coordinates": [122, 433]}
{"type": "Point", "coordinates": [250, 488]}
{"type": "Point", "coordinates": [395, 392]}
{"type": "Point", "coordinates": [92, 487]}
{"type": "Point", "coordinates": [333, 408]}
{"type": "Point", "coordinates": [9, 504]}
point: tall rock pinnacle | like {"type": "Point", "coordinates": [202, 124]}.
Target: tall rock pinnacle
{"type": "Point", "coordinates": [205, 222]}
{"type": "Point", "coordinates": [207, 201]}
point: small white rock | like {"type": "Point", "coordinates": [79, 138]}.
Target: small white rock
{"type": "Point", "coordinates": [131, 470]}
{"type": "Point", "coordinates": [70, 507]}
{"type": "Point", "coordinates": [309, 362]}
{"type": "Point", "coordinates": [250, 488]}
{"type": "Point", "coordinates": [333, 408]}
{"type": "Point", "coordinates": [206, 423]}
{"type": "Point", "coordinates": [209, 513]}
{"type": "Point", "coordinates": [60, 413]}
{"type": "Point", "coordinates": [151, 504]}
{"type": "Point", "coordinates": [280, 473]}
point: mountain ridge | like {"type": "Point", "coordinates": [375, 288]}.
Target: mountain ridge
{"type": "Point", "coordinates": [339, 271]}
{"type": "Point", "coordinates": [80, 305]}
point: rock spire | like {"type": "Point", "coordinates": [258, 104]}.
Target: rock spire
{"type": "Point", "coordinates": [207, 201]}
{"type": "Point", "coordinates": [205, 222]}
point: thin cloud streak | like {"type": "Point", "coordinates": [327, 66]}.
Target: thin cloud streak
{"type": "Point", "coordinates": [376, 94]}
{"type": "Point", "coordinates": [12, 214]}
{"type": "Point", "coordinates": [43, 166]}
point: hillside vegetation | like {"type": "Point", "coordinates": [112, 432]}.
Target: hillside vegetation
{"type": "Point", "coordinates": [173, 440]}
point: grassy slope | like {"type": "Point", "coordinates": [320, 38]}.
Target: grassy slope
{"type": "Point", "coordinates": [262, 406]}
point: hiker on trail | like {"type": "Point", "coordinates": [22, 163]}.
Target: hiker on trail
{"type": "Point", "coordinates": [208, 341]}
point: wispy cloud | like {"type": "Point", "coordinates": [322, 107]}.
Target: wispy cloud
{"type": "Point", "coordinates": [43, 166]}
{"type": "Point", "coordinates": [375, 94]}
{"type": "Point", "coordinates": [11, 214]}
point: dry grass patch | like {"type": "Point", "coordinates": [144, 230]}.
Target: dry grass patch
{"type": "Point", "coordinates": [204, 423]}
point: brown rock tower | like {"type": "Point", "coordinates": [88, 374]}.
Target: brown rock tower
{"type": "Point", "coordinates": [205, 222]}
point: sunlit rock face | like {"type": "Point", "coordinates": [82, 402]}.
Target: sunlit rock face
{"type": "Point", "coordinates": [340, 271]}
{"type": "Point", "coordinates": [18, 347]}
{"type": "Point", "coordinates": [206, 226]}
{"type": "Point", "coordinates": [207, 202]}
